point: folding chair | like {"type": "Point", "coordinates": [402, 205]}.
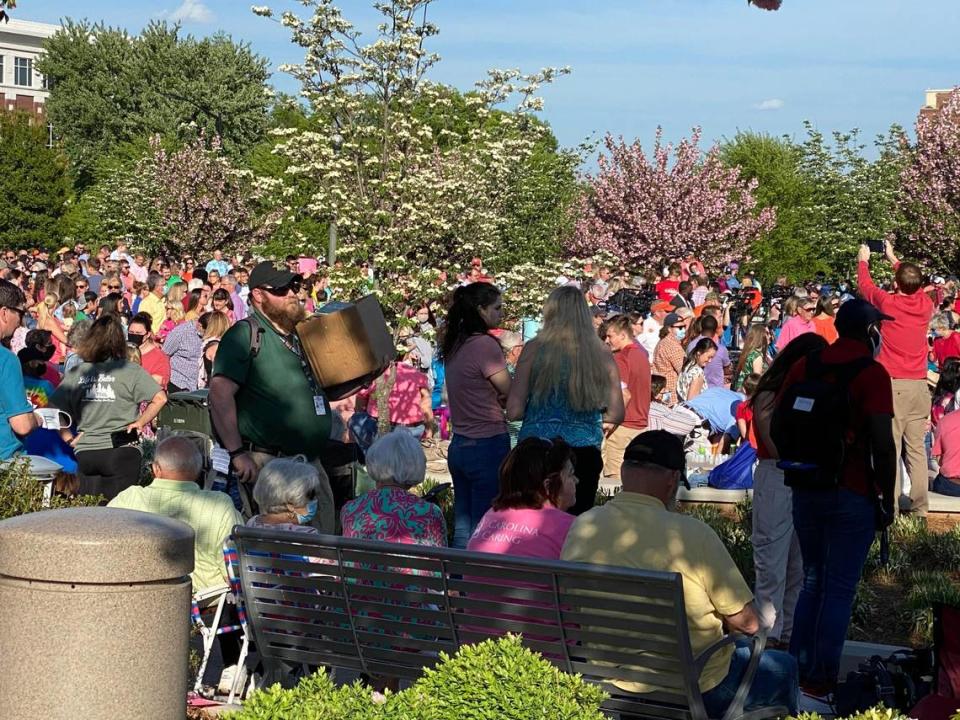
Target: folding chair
{"type": "Point", "coordinates": [208, 633]}
{"type": "Point", "coordinates": [232, 561]}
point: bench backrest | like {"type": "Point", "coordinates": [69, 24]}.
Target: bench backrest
{"type": "Point", "coordinates": [388, 609]}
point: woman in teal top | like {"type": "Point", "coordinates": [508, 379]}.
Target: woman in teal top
{"type": "Point", "coordinates": [568, 386]}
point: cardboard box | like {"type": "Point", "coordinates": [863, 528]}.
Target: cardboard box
{"type": "Point", "coordinates": [348, 345]}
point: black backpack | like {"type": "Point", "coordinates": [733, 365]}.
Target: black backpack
{"type": "Point", "coordinates": [810, 424]}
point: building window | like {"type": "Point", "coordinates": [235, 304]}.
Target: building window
{"type": "Point", "coordinates": [1, 72]}
{"type": "Point", "coordinates": [23, 72]}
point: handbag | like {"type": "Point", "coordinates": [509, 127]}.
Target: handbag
{"type": "Point", "coordinates": [363, 427]}
{"type": "Point", "coordinates": [735, 473]}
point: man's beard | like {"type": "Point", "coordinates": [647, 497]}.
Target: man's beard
{"type": "Point", "coordinates": [285, 316]}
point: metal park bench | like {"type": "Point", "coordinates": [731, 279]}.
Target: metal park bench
{"type": "Point", "coordinates": [388, 610]}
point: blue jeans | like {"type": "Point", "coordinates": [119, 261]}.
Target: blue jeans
{"type": "Point", "coordinates": [835, 529]}
{"type": "Point", "coordinates": [475, 468]}
{"type": "Point", "coordinates": [774, 684]}
{"type": "Point", "coordinates": [945, 487]}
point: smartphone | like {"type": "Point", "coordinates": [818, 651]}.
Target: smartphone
{"type": "Point", "coordinates": [876, 246]}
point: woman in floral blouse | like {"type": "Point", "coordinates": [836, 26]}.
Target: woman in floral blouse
{"type": "Point", "coordinates": [391, 512]}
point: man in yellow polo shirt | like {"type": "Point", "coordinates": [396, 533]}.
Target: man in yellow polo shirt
{"type": "Point", "coordinates": [639, 528]}
{"type": "Point", "coordinates": [153, 304]}
{"type": "Point", "coordinates": [174, 493]}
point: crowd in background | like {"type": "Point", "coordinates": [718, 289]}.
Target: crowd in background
{"type": "Point", "coordinates": [623, 373]}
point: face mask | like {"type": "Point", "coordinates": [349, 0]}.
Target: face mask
{"type": "Point", "coordinates": [681, 333]}
{"type": "Point", "coordinates": [311, 512]}
{"type": "Point", "coordinates": [876, 340]}
{"type": "Point", "coordinates": [136, 339]}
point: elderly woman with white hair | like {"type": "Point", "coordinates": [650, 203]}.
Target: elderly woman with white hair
{"type": "Point", "coordinates": [291, 496]}
{"type": "Point", "coordinates": [391, 512]}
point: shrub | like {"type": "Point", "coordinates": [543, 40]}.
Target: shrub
{"type": "Point", "coordinates": [492, 680]}
{"type": "Point", "coordinates": [875, 713]}
{"type": "Point", "coordinates": [20, 493]}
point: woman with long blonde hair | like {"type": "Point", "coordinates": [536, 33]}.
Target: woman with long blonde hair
{"type": "Point", "coordinates": [567, 385]}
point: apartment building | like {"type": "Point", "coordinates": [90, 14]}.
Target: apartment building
{"type": "Point", "coordinates": [21, 86]}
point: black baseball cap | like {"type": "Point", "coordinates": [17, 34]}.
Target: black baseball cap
{"type": "Point", "coordinates": [857, 315]}
{"type": "Point", "coordinates": [656, 447]}
{"type": "Point", "coordinates": [266, 274]}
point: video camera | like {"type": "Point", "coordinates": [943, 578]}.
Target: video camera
{"type": "Point", "coordinates": [630, 300]}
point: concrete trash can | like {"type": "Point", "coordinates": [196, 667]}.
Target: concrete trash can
{"type": "Point", "coordinates": [94, 615]}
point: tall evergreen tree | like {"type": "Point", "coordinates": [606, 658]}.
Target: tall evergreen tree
{"type": "Point", "coordinates": [34, 184]}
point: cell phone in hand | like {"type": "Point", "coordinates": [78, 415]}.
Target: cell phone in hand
{"type": "Point", "coordinates": [876, 246]}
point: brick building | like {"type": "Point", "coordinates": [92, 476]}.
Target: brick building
{"type": "Point", "coordinates": [935, 99]}
{"type": "Point", "coordinates": [21, 86]}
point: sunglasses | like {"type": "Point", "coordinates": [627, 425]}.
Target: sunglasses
{"type": "Point", "coordinates": [19, 311]}
{"type": "Point", "coordinates": [113, 287]}
{"type": "Point", "coordinates": [81, 286]}
{"type": "Point", "coordinates": [292, 286]}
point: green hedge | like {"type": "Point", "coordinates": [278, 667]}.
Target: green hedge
{"type": "Point", "coordinates": [875, 713]}
{"type": "Point", "coordinates": [493, 680]}
{"type": "Point", "coordinates": [20, 493]}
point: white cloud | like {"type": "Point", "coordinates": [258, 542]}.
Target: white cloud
{"type": "Point", "coordinates": [192, 11]}
{"type": "Point", "coordinates": [770, 104]}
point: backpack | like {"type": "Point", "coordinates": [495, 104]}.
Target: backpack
{"type": "Point", "coordinates": [256, 333]}
{"type": "Point", "coordinates": [810, 425]}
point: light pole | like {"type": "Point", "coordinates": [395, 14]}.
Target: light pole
{"type": "Point", "coordinates": [337, 141]}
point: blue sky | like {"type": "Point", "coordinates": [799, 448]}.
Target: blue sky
{"type": "Point", "coordinates": [638, 64]}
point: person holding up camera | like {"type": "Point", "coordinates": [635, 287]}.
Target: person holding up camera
{"type": "Point", "coordinates": [904, 355]}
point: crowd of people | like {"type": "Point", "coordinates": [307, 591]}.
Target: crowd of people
{"type": "Point", "coordinates": [829, 387]}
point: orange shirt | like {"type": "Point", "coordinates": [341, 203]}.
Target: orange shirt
{"type": "Point", "coordinates": [826, 328]}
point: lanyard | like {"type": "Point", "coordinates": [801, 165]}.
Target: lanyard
{"type": "Point", "coordinates": [294, 347]}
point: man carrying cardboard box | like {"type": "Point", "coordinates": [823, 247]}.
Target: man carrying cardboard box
{"type": "Point", "coordinates": [264, 399]}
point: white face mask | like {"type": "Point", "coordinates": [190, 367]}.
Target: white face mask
{"type": "Point", "coordinates": [681, 333]}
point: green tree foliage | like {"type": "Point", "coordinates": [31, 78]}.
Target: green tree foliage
{"type": "Point", "coordinates": [34, 184]}
{"type": "Point", "coordinates": [110, 88]}
{"type": "Point", "coordinates": [852, 199]}
{"type": "Point", "coordinates": [829, 197]}
{"type": "Point", "coordinates": [776, 164]}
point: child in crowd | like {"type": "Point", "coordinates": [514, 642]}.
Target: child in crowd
{"type": "Point", "coordinates": [744, 413]}
{"type": "Point", "coordinates": [658, 411]}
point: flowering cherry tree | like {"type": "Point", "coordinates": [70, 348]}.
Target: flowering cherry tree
{"type": "Point", "coordinates": [930, 188]}
{"type": "Point", "coordinates": [409, 183]}
{"type": "Point", "coordinates": [647, 210]}
{"type": "Point", "coordinates": [187, 200]}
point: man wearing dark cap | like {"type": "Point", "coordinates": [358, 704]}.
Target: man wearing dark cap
{"type": "Point", "coordinates": [837, 525]}
{"type": "Point", "coordinates": [638, 529]}
{"type": "Point", "coordinates": [264, 401]}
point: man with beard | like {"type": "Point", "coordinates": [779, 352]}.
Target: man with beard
{"type": "Point", "coordinates": [267, 403]}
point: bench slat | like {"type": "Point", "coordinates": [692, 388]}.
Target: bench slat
{"type": "Point", "coordinates": [591, 671]}
{"type": "Point", "coordinates": [629, 643]}
{"type": "Point", "coordinates": [618, 605]}
{"type": "Point", "coordinates": [300, 629]}
{"type": "Point", "coordinates": [301, 596]}
{"type": "Point", "coordinates": [484, 607]}
{"type": "Point", "coordinates": [465, 586]}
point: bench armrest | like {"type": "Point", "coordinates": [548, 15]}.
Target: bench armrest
{"type": "Point", "coordinates": [758, 641]}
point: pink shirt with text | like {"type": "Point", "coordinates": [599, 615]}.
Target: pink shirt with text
{"type": "Point", "coordinates": [522, 531]}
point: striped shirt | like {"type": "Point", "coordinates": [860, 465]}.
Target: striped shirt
{"type": "Point", "coordinates": [184, 346]}
{"type": "Point", "coordinates": [211, 514]}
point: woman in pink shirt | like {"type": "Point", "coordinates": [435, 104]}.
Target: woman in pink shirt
{"type": "Point", "coordinates": [528, 517]}
{"type": "Point", "coordinates": [798, 323]}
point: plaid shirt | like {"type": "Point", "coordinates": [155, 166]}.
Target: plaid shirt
{"type": "Point", "coordinates": [668, 361]}
{"type": "Point", "coordinates": [184, 346]}
{"type": "Point", "coordinates": [211, 514]}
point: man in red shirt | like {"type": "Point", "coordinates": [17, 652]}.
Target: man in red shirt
{"type": "Point", "coordinates": [836, 526]}
{"type": "Point", "coordinates": [904, 355]}
{"type": "Point", "coordinates": [634, 366]}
